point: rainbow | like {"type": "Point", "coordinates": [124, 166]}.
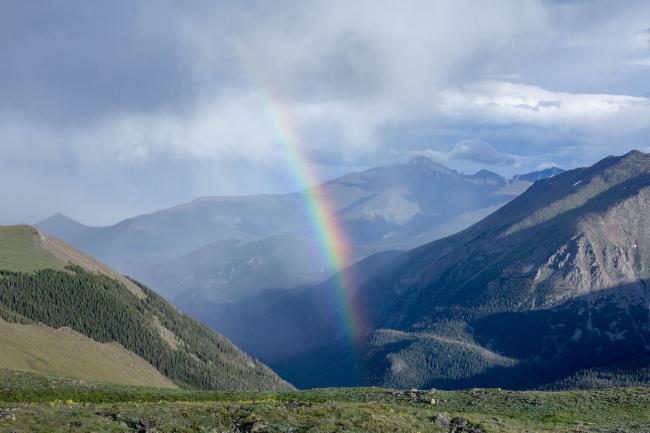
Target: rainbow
{"type": "Point", "coordinates": [330, 234]}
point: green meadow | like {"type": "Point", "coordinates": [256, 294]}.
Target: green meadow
{"type": "Point", "coordinates": [36, 403]}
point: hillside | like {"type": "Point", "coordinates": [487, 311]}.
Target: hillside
{"type": "Point", "coordinates": [43, 280]}
{"type": "Point", "coordinates": [538, 175]}
{"type": "Point", "coordinates": [64, 352]}
{"type": "Point", "coordinates": [232, 270]}
{"type": "Point", "coordinates": [554, 282]}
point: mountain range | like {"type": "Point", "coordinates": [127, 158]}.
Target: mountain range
{"type": "Point", "coordinates": [226, 249]}
{"type": "Point", "coordinates": [550, 288]}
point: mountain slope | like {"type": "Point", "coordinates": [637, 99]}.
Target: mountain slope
{"type": "Point", "coordinates": [232, 270]}
{"type": "Point", "coordinates": [64, 288]}
{"type": "Point", "coordinates": [538, 175]}
{"type": "Point", "coordinates": [64, 352]}
{"type": "Point", "coordinates": [554, 282]}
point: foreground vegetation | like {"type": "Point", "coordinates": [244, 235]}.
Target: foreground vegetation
{"type": "Point", "coordinates": [64, 352]}
{"type": "Point", "coordinates": [33, 403]}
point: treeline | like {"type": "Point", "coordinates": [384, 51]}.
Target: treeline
{"type": "Point", "coordinates": [634, 373]}
{"type": "Point", "coordinates": [105, 310]}
{"type": "Point", "coordinates": [405, 360]}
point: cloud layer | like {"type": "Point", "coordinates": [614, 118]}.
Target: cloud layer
{"type": "Point", "coordinates": [112, 109]}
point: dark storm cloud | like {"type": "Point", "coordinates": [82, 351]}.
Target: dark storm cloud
{"type": "Point", "coordinates": [75, 60]}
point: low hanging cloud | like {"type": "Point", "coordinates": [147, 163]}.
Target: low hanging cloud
{"type": "Point", "coordinates": [481, 152]}
{"type": "Point", "coordinates": [473, 151]}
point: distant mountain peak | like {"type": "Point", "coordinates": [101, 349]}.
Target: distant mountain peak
{"type": "Point", "coordinates": [534, 176]}
{"type": "Point", "coordinates": [631, 162]}
{"type": "Point", "coordinates": [58, 218]}
{"type": "Point", "coordinates": [484, 175]}
{"type": "Point", "coordinates": [635, 154]}
{"type": "Point", "coordinates": [64, 227]}
{"type": "Point", "coordinates": [424, 162]}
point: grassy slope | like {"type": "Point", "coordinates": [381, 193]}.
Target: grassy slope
{"type": "Point", "coordinates": [38, 348]}
{"type": "Point", "coordinates": [38, 404]}
{"type": "Point", "coordinates": [20, 251]}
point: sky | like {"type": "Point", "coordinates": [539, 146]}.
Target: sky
{"type": "Point", "coordinates": [113, 109]}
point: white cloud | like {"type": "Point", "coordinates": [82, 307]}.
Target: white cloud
{"type": "Point", "coordinates": [503, 102]}
{"type": "Point", "coordinates": [546, 164]}
{"type": "Point", "coordinates": [473, 151]}
{"type": "Point", "coordinates": [481, 152]}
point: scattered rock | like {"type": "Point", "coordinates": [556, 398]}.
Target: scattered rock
{"type": "Point", "coordinates": [7, 415]}
{"type": "Point", "coordinates": [462, 425]}
{"type": "Point", "coordinates": [113, 416]}
{"type": "Point", "coordinates": [142, 426]}
{"type": "Point", "coordinates": [296, 404]}
{"type": "Point", "coordinates": [253, 427]}
{"type": "Point", "coordinates": [416, 395]}
{"type": "Point", "coordinates": [442, 420]}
